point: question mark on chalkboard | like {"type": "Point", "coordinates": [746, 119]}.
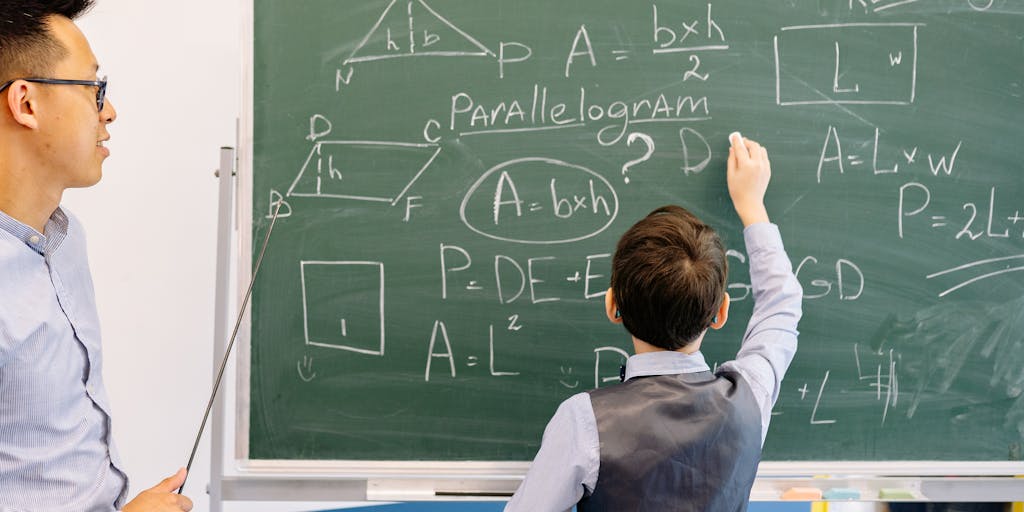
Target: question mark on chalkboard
{"type": "Point", "coordinates": [650, 151]}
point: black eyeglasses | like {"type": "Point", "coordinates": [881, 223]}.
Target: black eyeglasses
{"type": "Point", "coordinates": [100, 85]}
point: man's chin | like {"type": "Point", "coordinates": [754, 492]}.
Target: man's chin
{"type": "Point", "coordinates": [88, 181]}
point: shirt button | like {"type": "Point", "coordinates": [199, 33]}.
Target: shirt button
{"type": "Point", "coordinates": [34, 239]}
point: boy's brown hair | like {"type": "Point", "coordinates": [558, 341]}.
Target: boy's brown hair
{"type": "Point", "coordinates": [668, 277]}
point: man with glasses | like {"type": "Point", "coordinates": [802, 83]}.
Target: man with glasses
{"type": "Point", "coordinates": [56, 450]}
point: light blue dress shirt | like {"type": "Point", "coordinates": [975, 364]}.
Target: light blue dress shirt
{"type": "Point", "coordinates": [568, 461]}
{"type": "Point", "coordinates": [56, 451]}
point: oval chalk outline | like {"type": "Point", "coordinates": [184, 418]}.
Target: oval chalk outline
{"type": "Point", "coordinates": [472, 190]}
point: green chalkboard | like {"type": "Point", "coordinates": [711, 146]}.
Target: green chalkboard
{"type": "Point", "coordinates": [455, 175]}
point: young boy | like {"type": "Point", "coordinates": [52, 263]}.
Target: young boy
{"type": "Point", "coordinates": [675, 436]}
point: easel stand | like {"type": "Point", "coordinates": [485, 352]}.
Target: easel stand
{"type": "Point", "coordinates": [226, 176]}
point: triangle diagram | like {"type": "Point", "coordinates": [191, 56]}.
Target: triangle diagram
{"type": "Point", "coordinates": [411, 28]}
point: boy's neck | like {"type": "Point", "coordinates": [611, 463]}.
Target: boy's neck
{"type": "Point", "coordinates": [642, 347]}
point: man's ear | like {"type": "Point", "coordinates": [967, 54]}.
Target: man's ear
{"type": "Point", "coordinates": [723, 313]}
{"type": "Point", "coordinates": [610, 308]}
{"type": "Point", "coordinates": [21, 102]}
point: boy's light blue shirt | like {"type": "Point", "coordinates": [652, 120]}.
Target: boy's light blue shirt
{"type": "Point", "coordinates": [56, 450]}
{"type": "Point", "coordinates": [567, 464]}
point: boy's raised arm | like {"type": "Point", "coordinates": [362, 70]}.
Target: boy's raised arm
{"type": "Point", "coordinates": [770, 340]}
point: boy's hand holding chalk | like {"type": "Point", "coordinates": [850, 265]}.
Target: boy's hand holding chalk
{"type": "Point", "coordinates": [749, 172]}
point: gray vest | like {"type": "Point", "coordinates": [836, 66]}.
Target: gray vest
{"type": "Point", "coordinates": [687, 442]}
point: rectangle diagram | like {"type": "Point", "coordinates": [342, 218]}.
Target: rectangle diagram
{"type": "Point", "coordinates": [846, 63]}
{"type": "Point", "coordinates": [343, 305]}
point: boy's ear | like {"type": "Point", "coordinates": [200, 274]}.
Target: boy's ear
{"type": "Point", "coordinates": [723, 313]}
{"type": "Point", "coordinates": [610, 308]}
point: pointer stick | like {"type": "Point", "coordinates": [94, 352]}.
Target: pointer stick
{"type": "Point", "coordinates": [231, 344]}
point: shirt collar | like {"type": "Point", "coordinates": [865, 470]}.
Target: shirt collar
{"type": "Point", "coordinates": [665, 363]}
{"type": "Point", "coordinates": [55, 231]}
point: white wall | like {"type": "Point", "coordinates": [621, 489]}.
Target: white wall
{"type": "Point", "coordinates": [174, 70]}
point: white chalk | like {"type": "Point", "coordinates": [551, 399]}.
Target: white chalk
{"type": "Point", "coordinates": [735, 135]}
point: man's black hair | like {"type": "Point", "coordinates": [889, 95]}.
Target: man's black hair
{"type": "Point", "coordinates": [27, 48]}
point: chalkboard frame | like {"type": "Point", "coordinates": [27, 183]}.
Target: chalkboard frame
{"type": "Point", "coordinates": [242, 478]}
